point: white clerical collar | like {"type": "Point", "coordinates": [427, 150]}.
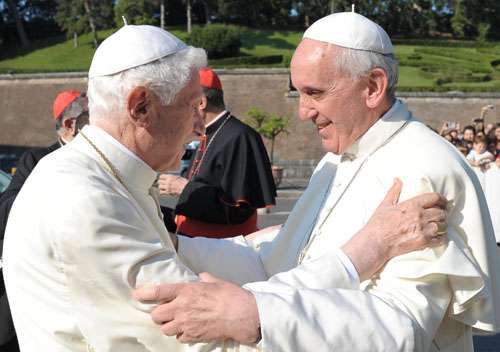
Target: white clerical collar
{"type": "Point", "coordinates": [380, 132]}
{"type": "Point", "coordinates": [216, 118]}
{"type": "Point", "coordinates": [132, 169]}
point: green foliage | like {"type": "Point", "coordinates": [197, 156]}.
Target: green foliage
{"type": "Point", "coordinates": [245, 61]}
{"type": "Point", "coordinates": [268, 125]}
{"type": "Point", "coordinates": [72, 18]}
{"type": "Point", "coordinates": [477, 18]}
{"type": "Point", "coordinates": [136, 12]}
{"type": "Point", "coordinates": [286, 60]}
{"type": "Point", "coordinates": [218, 40]}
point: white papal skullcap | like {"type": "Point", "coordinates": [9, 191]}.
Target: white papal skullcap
{"type": "Point", "coordinates": [351, 30]}
{"type": "Point", "coordinates": [133, 46]}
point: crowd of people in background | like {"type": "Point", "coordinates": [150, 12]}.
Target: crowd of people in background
{"type": "Point", "coordinates": [479, 143]}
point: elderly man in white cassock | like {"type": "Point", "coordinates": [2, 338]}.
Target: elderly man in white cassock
{"type": "Point", "coordinates": [429, 300]}
{"type": "Point", "coordinates": [97, 231]}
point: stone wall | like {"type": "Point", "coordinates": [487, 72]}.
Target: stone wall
{"type": "Point", "coordinates": [26, 110]}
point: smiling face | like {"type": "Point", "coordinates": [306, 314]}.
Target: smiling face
{"type": "Point", "coordinates": [342, 109]}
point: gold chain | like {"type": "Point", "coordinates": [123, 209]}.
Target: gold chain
{"type": "Point", "coordinates": [197, 167]}
{"type": "Point", "coordinates": [107, 163]}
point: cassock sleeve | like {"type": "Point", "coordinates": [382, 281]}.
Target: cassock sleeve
{"type": "Point", "coordinates": [104, 255]}
{"type": "Point", "coordinates": [237, 260]}
{"type": "Point", "coordinates": [240, 181]}
{"type": "Point", "coordinates": [204, 202]}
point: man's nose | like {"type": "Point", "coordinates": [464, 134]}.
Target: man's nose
{"type": "Point", "coordinates": [307, 113]}
{"type": "Point", "coordinates": [306, 110]}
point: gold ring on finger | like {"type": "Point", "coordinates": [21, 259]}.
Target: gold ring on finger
{"type": "Point", "coordinates": [442, 228]}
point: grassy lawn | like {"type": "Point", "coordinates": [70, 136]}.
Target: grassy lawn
{"type": "Point", "coordinates": [421, 67]}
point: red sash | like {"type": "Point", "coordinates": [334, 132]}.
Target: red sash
{"type": "Point", "coordinates": [195, 228]}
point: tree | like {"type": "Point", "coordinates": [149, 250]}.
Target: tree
{"type": "Point", "coordinates": [480, 17]}
{"type": "Point", "coordinates": [136, 12]}
{"type": "Point", "coordinates": [89, 10]}
{"type": "Point", "coordinates": [84, 16]}
{"type": "Point", "coordinates": [460, 23]}
{"type": "Point", "coordinates": [188, 15]}
{"type": "Point", "coordinates": [268, 125]}
{"type": "Point", "coordinates": [13, 4]}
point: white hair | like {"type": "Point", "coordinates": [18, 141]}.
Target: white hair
{"type": "Point", "coordinates": [358, 63]}
{"type": "Point", "coordinates": [165, 77]}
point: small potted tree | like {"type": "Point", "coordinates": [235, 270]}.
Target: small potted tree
{"type": "Point", "coordinates": [269, 126]}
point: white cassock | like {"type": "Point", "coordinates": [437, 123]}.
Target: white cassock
{"type": "Point", "coordinates": [490, 181]}
{"type": "Point", "coordinates": [77, 243]}
{"type": "Point", "coordinates": [427, 300]}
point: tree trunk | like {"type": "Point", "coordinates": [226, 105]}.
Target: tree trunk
{"type": "Point", "coordinates": [88, 9]}
{"type": "Point", "coordinates": [75, 40]}
{"type": "Point", "coordinates": [206, 7]}
{"type": "Point", "coordinates": [25, 42]}
{"type": "Point", "coordinates": [188, 15]}
{"type": "Point", "coordinates": [162, 14]}
{"type": "Point", "coordinates": [272, 151]}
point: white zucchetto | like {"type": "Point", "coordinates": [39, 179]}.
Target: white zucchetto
{"type": "Point", "coordinates": [350, 30]}
{"type": "Point", "coordinates": [133, 46]}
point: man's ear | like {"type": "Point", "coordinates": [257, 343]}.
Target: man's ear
{"type": "Point", "coordinates": [203, 102]}
{"type": "Point", "coordinates": [139, 106]}
{"type": "Point", "coordinates": [377, 87]}
{"type": "Point", "coordinates": [70, 125]}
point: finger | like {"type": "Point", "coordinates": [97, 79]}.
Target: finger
{"type": "Point", "coordinates": [433, 235]}
{"type": "Point", "coordinates": [438, 241]}
{"type": "Point", "coordinates": [429, 231]}
{"type": "Point", "coordinates": [160, 292]}
{"type": "Point", "coordinates": [426, 200]}
{"type": "Point", "coordinates": [392, 196]}
{"type": "Point", "coordinates": [171, 329]}
{"type": "Point", "coordinates": [184, 338]}
{"type": "Point", "coordinates": [163, 313]}
{"type": "Point", "coordinates": [207, 277]}
{"type": "Point", "coordinates": [434, 215]}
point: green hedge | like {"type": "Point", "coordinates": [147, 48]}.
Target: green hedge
{"type": "Point", "coordinates": [449, 88]}
{"type": "Point", "coordinates": [218, 40]}
{"type": "Point", "coordinates": [248, 60]}
{"type": "Point", "coordinates": [444, 43]}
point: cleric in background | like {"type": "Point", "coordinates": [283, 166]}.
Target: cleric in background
{"type": "Point", "coordinates": [70, 113]}
{"type": "Point", "coordinates": [230, 175]}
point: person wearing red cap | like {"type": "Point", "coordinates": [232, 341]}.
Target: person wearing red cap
{"type": "Point", "coordinates": [70, 114]}
{"type": "Point", "coordinates": [230, 175]}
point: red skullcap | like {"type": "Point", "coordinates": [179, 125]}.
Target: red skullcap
{"type": "Point", "coordinates": [63, 100]}
{"type": "Point", "coordinates": [209, 79]}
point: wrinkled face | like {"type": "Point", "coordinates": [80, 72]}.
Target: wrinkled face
{"type": "Point", "coordinates": [469, 135]}
{"type": "Point", "coordinates": [176, 123]}
{"type": "Point", "coordinates": [330, 99]}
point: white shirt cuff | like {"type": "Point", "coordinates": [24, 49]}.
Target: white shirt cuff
{"type": "Point", "coordinates": [348, 265]}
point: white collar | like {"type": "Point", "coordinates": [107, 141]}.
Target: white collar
{"type": "Point", "coordinates": [216, 118]}
{"type": "Point", "coordinates": [383, 129]}
{"type": "Point", "coordinates": [133, 170]}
